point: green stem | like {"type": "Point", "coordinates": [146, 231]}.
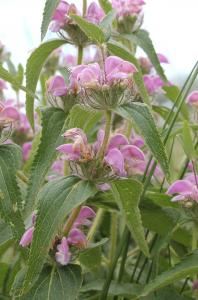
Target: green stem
{"type": "Point", "coordinates": [80, 54]}
{"type": "Point", "coordinates": [74, 214]}
{"type": "Point", "coordinates": [96, 224]}
{"type": "Point", "coordinates": [84, 7]}
{"type": "Point", "coordinates": [107, 134]}
{"type": "Point", "coordinates": [113, 235]}
{"type": "Point", "coordinates": [22, 176]}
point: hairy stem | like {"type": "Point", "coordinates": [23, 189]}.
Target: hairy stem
{"type": "Point", "coordinates": [80, 54]}
{"type": "Point", "coordinates": [113, 235]}
{"type": "Point", "coordinates": [74, 214]}
{"type": "Point", "coordinates": [96, 224]}
{"type": "Point", "coordinates": [107, 134]}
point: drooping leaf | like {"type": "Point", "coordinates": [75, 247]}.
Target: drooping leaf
{"type": "Point", "coordinates": [127, 194]}
{"type": "Point", "coordinates": [61, 283]}
{"type": "Point", "coordinates": [53, 120]}
{"type": "Point", "coordinates": [188, 266]}
{"type": "Point", "coordinates": [142, 39]}
{"type": "Point", "coordinates": [55, 202]}
{"type": "Point", "coordinates": [92, 31]}
{"type": "Point", "coordinates": [141, 115]}
{"type": "Point", "coordinates": [13, 80]}
{"type": "Point", "coordinates": [10, 197]}
{"type": "Point", "coordinates": [50, 6]}
{"type": "Point", "coordinates": [82, 118]}
{"type": "Point", "coordinates": [120, 51]}
{"type": "Point", "coordinates": [33, 69]}
{"type": "Point", "coordinates": [106, 5]}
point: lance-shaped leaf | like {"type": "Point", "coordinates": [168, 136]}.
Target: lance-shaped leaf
{"type": "Point", "coordinates": [53, 283]}
{"type": "Point", "coordinates": [53, 120]}
{"type": "Point", "coordinates": [120, 51]}
{"type": "Point", "coordinates": [10, 197]}
{"type": "Point", "coordinates": [127, 194]}
{"type": "Point", "coordinates": [33, 69]}
{"type": "Point", "coordinates": [92, 31]}
{"type": "Point", "coordinates": [50, 6]}
{"type": "Point", "coordinates": [106, 5]}
{"type": "Point", "coordinates": [55, 202]}
{"type": "Point", "coordinates": [142, 39]}
{"type": "Point", "coordinates": [188, 266]}
{"type": "Point", "coordinates": [141, 115]}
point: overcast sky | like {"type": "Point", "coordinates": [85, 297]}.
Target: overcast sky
{"type": "Point", "coordinates": [172, 25]}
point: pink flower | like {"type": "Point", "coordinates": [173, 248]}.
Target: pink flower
{"type": "Point", "coordinates": [117, 140]}
{"type": "Point", "coordinates": [61, 15]}
{"type": "Point", "coordinates": [26, 149]}
{"type": "Point", "coordinates": [115, 160]}
{"type": "Point", "coordinates": [8, 114]}
{"type": "Point", "coordinates": [193, 99]}
{"type": "Point", "coordinates": [76, 237]}
{"type": "Point", "coordinates": [136, 140]}
{"type": "Point", "coordinates": [56, 86]}
{"type": "Point", "coordinates": [3, 85]}
{"type": "Point", "coordinates": [85, 76]}
{"type": "Point", "coordinates": [79, 149]}
{"type": "Point", "coordinates": [94, 13]}
{"type": "Point", "coordinates": [127, 7]}
{"type": "Point", "coordinates": [63, 255]}
{"type": "Point", "coordinates": [27, 237]}
{"type": "Point", "coordinates": [153, 83]}
{"type": "Point", "coordinates": [23, 124]}
{"type": "Point", "coordinates": [162, 58]}
{"type": "Point", "coordinates": [58, 167]}
{"type": "Point", "coordinates": [185, 188]}
{"type": "Point", "coordinates": [85, 214]}
{"type": "Point", "coordinates": [117, 69]}
{"type": "Point", "coordinates": [70, 60]}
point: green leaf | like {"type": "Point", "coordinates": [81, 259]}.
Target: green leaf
{"type": "Point", "coordinates": [106, 5]}
{"type": "Point", "coordinates": [142, 39]}
{"type": "Point", "coordinates": [53, 120]}
{"type": "Point", "coordinates": [35, 145]}
{"type": "Point", "coordinates": [33, 69]}
{"type": "Point", "coordinates": [92, 256]}
{"type": "Point", "coordinates": [5, 233]}
{"type": "Point", "coordinates": [83, 118]}
{"type": "Point", "coordinates": [10, 197]}
{"type": "Point", "coordinates": [116, 289]}
{"type": "Point", "coordinates": [120, 51]}
{"type": "Point", "coordinates": [92, 31]}
{"type": "Point", "coordinates": [127, 194]}
{"type": "Point", "coordinates": [55, 202]}
{"type": "Point", "coordinates": [13, 80]}
{"type": "Point", "coordinates": [141, 115]}
{"type": "Point", "coordinates": [166, 294]}
{"type": "Point", "coordinates": [50, 6]}
{"type": "Point", "coordinates": [106, 23]}
{"type": "Point", "coordinates": [54, 283]}
{"type": "Point", "coordinates": [188, 144]}
{"type": "Point", "coordinates": [188, 266]}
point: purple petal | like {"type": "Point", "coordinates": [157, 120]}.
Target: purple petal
{"type": "Point", "coordinates": [63, 255]}
{"type": "Point", "coordinates": [115, 160]}
{"type": "Point", "coordinates": [162, 58]}
{"type": "Point", "coordinates": [180, 186]}
{"type": "Point", "coordinates": [85, 213]}
{"type": "Point", "coordinates": [27, 237]}
{"type": "Point", "coordinates": [193, 98]}
{"type": "Point", "coordinates": [130, 151]}
{"type": "Point", "coordinates": [71, 152]}
{"type": "Point", "coordinates": [57, 86]}
{"type": "Point", "coordinates": [76, 237]}
{"type": "Point", "coordinates": [10, 114]}
{"type": "Point", "coordinates": [117, 140]}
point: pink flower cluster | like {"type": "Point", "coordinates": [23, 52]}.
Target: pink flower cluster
{"type": "Point", "coordinates": [61, 16]}
{"type": "Point", "coordinates": [116, 70]}
{"type": "Point", "coordinates": [127, 8]}
{"type": "Point", "coordinates": [119, 156]}
{"type": "Point", "coordinates": [193, 99]}
{"type": "Point", "coordinates": [75, 237]}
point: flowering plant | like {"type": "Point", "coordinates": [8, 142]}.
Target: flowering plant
{"type": "Point", "coordinates": [98, 179]}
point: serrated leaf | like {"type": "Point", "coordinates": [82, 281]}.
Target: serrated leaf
{"type": "Point", "coordinates": [83, 118]}
{"type": "Point", "coordinates": [188, 266]}
{"type": "Point", "coordinates": [142, 39]}
{"type": "Point", "coordinates": [54, 283]}
{"type": "Point", "coordinates": [33, 69]}
{"type": "Point", "coordinates": [35, 144]}
{"type": "Point", "coordinates": [55, 202]}
{"type": "Point", "coordinates": [50, 6]}
{"type": "Point", "coordinates": [10, 197]}
{"type": "Point", "coordinates": [127, 194]}
{"type": "Point", "coordinates": [120, 51]}
{"type": "Point", "coordinates": [143, 118]}
{"type": "Point", "coordinates": [53, 120]}
{"type": "Point", "coordinates": [106, 5]}
{"type": "Point", "coordinates": [92, 31]}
